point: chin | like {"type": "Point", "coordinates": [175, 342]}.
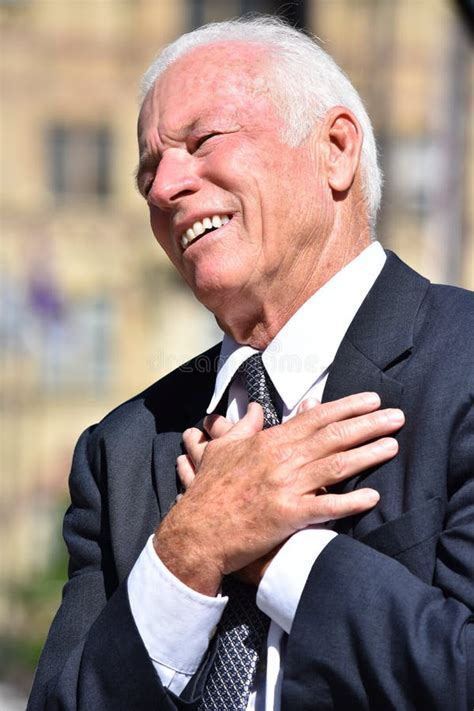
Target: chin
{"type": "Point", "coordinates": [213, 293]}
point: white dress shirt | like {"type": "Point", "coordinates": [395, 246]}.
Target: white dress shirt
{"type": "Point", "coordinates": [175, 622]}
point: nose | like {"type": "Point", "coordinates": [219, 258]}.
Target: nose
{"type": "Point", "coordinates": [176, 177]}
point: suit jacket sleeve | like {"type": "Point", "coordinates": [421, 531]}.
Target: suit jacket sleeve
{"type": "Point", "coordinates": [370, 634]}
{"type": "Point", "coordinates": [94, 657]}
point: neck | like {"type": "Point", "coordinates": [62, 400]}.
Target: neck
{"type": "Point", "coordinates": [255, 320]}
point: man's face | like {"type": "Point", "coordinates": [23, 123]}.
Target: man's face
{"type": "Point", "coordinates": [212, 158]}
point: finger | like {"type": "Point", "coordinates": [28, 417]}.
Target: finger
{"type": "Point", "coordinates": [357, 460]}
{"type": "Point", "coordinates": [185, 469]}
{"type": "Point", "coordinates": [195, 443]}
{"type": "Point", "coordinates": [216, 426]}
{"type": "Point", "coordinates": [308, 404]}
{"type": "Point", "coordinates": [254, 572]}
{"type": "Point", "coordinates": [326, 413]}
{"type": "Point", "coordinates": [343, 465]}
{"type": "Point", "coordinates": [344, 435]}
{"type": "Point", "coordinates": [334, 506]}
{"type": "Point", "coordinates": [250, 424]}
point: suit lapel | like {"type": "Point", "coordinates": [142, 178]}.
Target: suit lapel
{"type": "Point", "coordinates": [380, 336]}
{"type": "Point", "coordinates": [167, 446]}
{"type": "Point", "coordinates": [353, 372]}
{"type": "Point", "coordinates": [383, 329]}
{"type": "Point", "coordinates": [194, 395]}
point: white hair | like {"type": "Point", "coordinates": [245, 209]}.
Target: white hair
{"type": "Point", "coordinates": [307, 82]}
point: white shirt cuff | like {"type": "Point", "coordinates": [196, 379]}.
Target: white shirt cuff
{"type": "Point", "coordinates": [282, 585]}
{"type": "Point", "coordinates": [175, 622]}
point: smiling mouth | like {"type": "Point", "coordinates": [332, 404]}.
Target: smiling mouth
{"type": "Point", "coordinates": [199, 229]}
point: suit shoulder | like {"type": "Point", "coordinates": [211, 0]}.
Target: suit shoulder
{"type": "Point", "coordinates": [446, 335]}
{"type": "Point", "coordinates": [453, 306]}
{"type": "Point", "coordinates": [167, 404]}
{"type": "Point", "coordinates": [453, 293]}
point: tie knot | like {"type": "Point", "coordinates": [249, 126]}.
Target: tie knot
{"type": "Point", "coordinates": [259, 388]}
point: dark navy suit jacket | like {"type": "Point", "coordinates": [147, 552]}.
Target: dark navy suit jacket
{"type": "Point", "coordinates": [385, 620]}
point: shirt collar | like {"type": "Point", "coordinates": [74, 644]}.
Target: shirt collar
{"type": "Point", "coordinates": [305, 347]}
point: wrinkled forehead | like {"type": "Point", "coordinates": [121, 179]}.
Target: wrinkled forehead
{"type": "Point", "coordinates": [244, 60]}
{"type": "Point", "coordinates": [235, 72]}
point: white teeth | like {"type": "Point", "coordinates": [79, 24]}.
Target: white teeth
{"type": "Point", "coordinates": [199, 228]}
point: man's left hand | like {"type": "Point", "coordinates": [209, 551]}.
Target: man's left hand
{"type": "Point", "coordinates": [187, 465]}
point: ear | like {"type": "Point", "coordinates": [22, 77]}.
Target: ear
{"type": "Point", "coordinates": [343, 138]}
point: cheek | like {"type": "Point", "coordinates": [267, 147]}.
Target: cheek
{"type": "Point", "coordinates": [160, 229]}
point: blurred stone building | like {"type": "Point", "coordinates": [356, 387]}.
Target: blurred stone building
{"type": "Point", "coordinates": [91, 311]}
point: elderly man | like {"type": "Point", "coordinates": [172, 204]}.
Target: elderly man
{"type": "Point", "coordinates": [321, 554]}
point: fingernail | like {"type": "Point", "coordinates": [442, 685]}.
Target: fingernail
{"type": "Point", "coordinates": [371, 398]}
{"type": "Point", "coordinates": [310, 403]}
{"type": "Point", "coordinates": [389, 444]}
{"type": "Point", "coordinates": [396, 416]}
{"type": "Point", "coordinates": [372, 496]}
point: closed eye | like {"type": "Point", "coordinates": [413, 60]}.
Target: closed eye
{"type": "Point", "coordinates": [145, 174]}
{"type": "Point", "coordinates": [203, 139]}
{"type": "Point", "coordinates": [146, 188]}
{"type": "Point", "coordinates": [144, 184]}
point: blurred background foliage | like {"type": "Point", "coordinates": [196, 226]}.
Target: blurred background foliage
{"type": "Point", "coordinates": [35, 600]}
{"type": "Point", "coordinates": [91, 311]}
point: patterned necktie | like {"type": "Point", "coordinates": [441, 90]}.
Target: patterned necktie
{"type": "Point", "coordinates": [260, 388]}
{"type": "Point", "coordinates": [243, 628]}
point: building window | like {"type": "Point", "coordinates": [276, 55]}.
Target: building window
{"type": "Point", "coordinates": [79, 161]}
{"type": "Point", "coordinates": [414, 171]}
{"type": "Point", "coordinates": [73, 347]}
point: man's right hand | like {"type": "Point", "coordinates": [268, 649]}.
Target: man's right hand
{"type": "Point", "coordinates": [255, 487]}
